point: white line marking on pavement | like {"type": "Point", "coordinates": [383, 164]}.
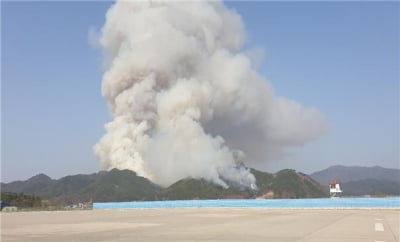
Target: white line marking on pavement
{"type": "Point", "coordinates": [379, 227]}
{"type": "Point", "coordinates": [379, 219]}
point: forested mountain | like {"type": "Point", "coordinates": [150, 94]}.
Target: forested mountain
{"type": "Point", "coordinates": [125, 185]}
{"type": "Point", "coordinates": [355, 173]}
{"type": "Point", "coordinates": [359, 181]}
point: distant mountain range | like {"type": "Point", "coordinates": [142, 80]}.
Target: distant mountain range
{"type": "Point", "coordinates": [355, 173]}
{"type": "Point", "coordinates": [357, 181]}
{"type": "Point", "coordinates": [125, 185]}
{"type": "Point", "coordinates": [114, 185]}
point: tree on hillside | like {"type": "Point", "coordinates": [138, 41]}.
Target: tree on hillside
{"type": "Point", "coordinates": [20, 199]}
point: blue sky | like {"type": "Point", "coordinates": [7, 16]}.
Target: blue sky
{"type": "Point", "coordinates": [342, 58]}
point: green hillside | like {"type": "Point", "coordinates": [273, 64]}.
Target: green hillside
{"type": "Point", "coordinates": [287, 184]}
{"type": "Point", "coordinates": [284, 184]}
{"type": "Point", "coordinates": [114, 185]}
{"type": "Point", "coordinates": [201, 189]}
{"type": "Point", "coordinates": [20, 200]}
{"type": "Point", "coordinates": [119, 185]}
{"type": "Point", "coordinates": [124, 185]}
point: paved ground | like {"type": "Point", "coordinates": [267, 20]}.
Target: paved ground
{"type": "Point", "coordinates": [203, 224]}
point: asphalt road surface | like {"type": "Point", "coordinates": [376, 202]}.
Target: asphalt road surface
{"type": "Point", "coordinates": [204, 224]}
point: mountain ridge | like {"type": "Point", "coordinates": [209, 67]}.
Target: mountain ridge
{"type": "Point", "coordinates": [361, 181]}
{"type": "Point", "coordinates": [355, 173]}
{"type": "Point", "coordinates": [125, 185]}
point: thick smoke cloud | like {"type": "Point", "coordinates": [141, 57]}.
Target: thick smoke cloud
{"type": "Point", "coordinates": [180, 91]}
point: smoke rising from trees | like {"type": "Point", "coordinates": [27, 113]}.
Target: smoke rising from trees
{"type": "Point", "coordinates": [186, 100]}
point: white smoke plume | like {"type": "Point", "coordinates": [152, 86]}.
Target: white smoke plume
{"type": "Point", "coordinates": [180, 90]}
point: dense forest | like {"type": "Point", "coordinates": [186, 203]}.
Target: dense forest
{"type": "Point", "coordinates": [20, 199]}
{"type": "Point", "coordinates": [125, 185]}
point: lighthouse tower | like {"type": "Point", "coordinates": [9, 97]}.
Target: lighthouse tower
{"type": "Point", "coordinates": [335, 189]}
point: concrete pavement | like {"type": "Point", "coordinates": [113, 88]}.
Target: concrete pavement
{"type": "Point", "coordinates": [204, 224]}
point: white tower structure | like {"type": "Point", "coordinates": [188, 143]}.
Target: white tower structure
{"type": "Point", "coordinates": [335, 189]}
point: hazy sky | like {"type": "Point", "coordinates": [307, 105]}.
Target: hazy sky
{"type": "Point", "coordinates": [342, 58]}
